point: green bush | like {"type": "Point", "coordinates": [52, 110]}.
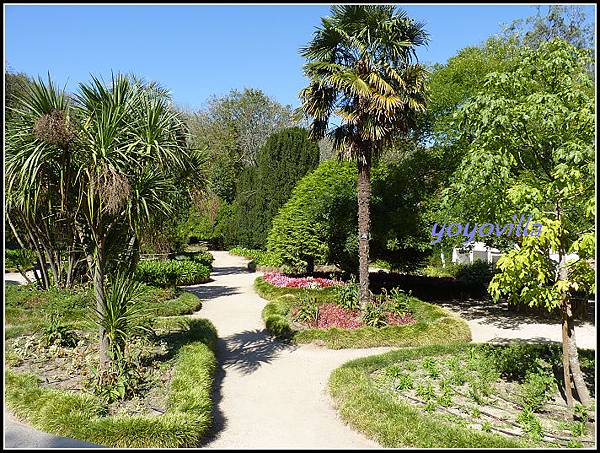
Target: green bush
{"type": "Point", "coordinates": [204, 258]}
{"type": "Point", "coordinates": [346, 296]}
{"type": "Point", "coordinates": [260, 257]}
{"type": "Point", "coordinates": [318, 223]}
{"type": "Point", "coordinates": [20, 260]}
{"type": "Point", "coordinates": [83, 416]}
{"type": "Point", "coordinates": [537, 389]}
{"type": "Point", "coordinates": [172, 272]}
{"type": "Point", "coordinates": [476, 276]}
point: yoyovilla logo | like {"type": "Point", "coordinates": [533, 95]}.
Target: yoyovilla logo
{"type": "Point", "coordinates": [486, 229]}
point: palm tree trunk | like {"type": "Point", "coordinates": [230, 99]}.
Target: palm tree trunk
{"type": "Point", "coordinates": [364, 224]}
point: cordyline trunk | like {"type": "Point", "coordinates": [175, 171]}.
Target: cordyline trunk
{"type": "Point", "coordinates": [100, 298]}
{"type": "Point", "coordinates": [569, 349]}
{"type": "Point", "coordinates": [364, 224]}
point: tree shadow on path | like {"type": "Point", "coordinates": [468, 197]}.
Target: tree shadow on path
{"type": "Point", "coordinates": [247, 351]}
{"type": "Point", "coordinates": [498, 315]}
{"type": "Point", "coordinates": [213, 291]}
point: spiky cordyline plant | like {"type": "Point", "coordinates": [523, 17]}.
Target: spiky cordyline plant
{"type": "Point", "coordinates": [360, 65]}
{"type": "Point", "coordinates": [117, 154]}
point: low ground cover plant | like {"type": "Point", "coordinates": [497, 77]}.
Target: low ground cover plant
{"type": "Point", "coordinates": [166, 273]}
{"type": "Point", "coordinates": [331, 316]}
{"type": "Point", "coordinates": [28, 309]}
{"type": "Point", "coordinates": [474, 396]}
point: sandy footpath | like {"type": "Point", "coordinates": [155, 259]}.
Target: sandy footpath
{"type": "Point", "coordinates": [269, 395]}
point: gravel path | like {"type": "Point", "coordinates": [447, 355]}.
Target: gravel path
{"type": "Point", "coordinates": [490, 322]}
{"type": "Point", "coordinates": [269, 394]}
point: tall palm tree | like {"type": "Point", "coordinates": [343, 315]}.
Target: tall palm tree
{"type": "Point", "coordinates": [133, 159]}
{"type": "Point", "coordinates": [361, 69]}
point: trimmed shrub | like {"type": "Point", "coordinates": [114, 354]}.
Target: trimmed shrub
{"type": "Point", "coordinates": [318, 225]}
{"type": "Point", "coordinates": [172, 272]}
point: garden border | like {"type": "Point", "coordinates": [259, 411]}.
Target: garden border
{"type": "Point", "coordinates": [83, 416]}
{"type": "Point", "coordinates": [434, 324]}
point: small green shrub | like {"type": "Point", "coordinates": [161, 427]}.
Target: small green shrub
{"type": "Point", "coordinates": [20, 260]}
{"type": "Point", "coordinates": [431, 366]}
{"type": "Point", "coordinates": [537, 389]}
{"type": "Point", "coordinates": [404, 382]}
{"type": "Point", "coordinates": [530, 424]}
{"type": "Point", "coordinates": [308, 309]}
{"type": "Point", "coordinates": [398, 301]}
{"type": "Point", "coordinates": [346, 296]}
{"type": "Point", "coordinates": [204, 258]}
{"type": "Point", "coordinates": [374, 314]}
{"type": "Point", "coordinates": [172, 272]}
{"type": "Point", "coordinates": [55, 332]}
{"type": "Point", "coordinates": [476, 276]}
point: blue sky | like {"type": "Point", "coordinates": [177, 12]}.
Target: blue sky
{"type": "Point", "coordinates": [199, 50]}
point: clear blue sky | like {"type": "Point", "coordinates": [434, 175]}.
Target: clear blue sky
{"type": "Point", "coordinates": [199, 50]}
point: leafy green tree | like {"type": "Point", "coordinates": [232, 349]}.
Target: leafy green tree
{"type": "Point", "coordinates": [360, 69]}
{"type": "Point", "coordinates": [14, 83]}
{"type": "Point", "coordinates": [567, 22]}
{"type": "Point", "coordinates": [233, 128]}
{"type": "Point", "coordinates": [316, 225]}
{"type": "Point", "coordinates": [283, 160]}
{"type": "Point", "coordinates": [531, 152]}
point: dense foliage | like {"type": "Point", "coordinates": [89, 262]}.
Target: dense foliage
{"type": "Point", "coordinates": [313, 227]}
{"type": "Point", "coordinates": [283, 160]}
{"type": "Point", "coordinates": [172, 272]}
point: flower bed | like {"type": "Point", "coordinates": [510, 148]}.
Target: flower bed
{"type": "Point", "coordinates": [283, 281]}
{"type": "Point", "coordinates": [332, 315]}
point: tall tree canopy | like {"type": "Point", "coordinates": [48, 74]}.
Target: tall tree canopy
{"type": "Point", "coordinates": [360, 66]}
{"type": "Point", "coordinates": [264, 188]}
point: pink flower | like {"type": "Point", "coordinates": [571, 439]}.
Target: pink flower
{"type": "Point", "coordinates": [283, 281]}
